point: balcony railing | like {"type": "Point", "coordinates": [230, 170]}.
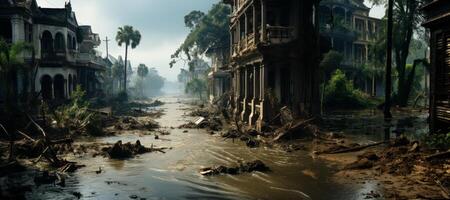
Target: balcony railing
{"type": "Point", "coordinates": [89, 58]}
{"type": "Point", "coordinates": [280, 34]}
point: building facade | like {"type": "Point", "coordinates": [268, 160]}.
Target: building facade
{"type": "Point", "coordinates": [438, 21]}
{"type": "Point", "coordinates": [273, 58]}
{"type": "Point", "coordinates": [219, 77]}
{"type": "Point", "coordinates": [64, 51]}
{"type": "Point", "coordinates": [348, 27]}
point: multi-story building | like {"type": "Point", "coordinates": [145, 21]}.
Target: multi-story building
{"type": "Point", "coordinates": [219, 77]}
{"type": "Point", "coordinates": [350, 30]}
{"type": "Point", "coordinates": [438, 21]}
{"type": "Point", "coordinates": [274, 58]}
{"type": "Point", "coordinates": [64, 51]}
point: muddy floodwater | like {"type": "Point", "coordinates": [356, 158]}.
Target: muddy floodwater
{"type": "Point", "coordinates": [175, 174]}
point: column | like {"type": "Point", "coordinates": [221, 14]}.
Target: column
{"type": "Point", "coordinates": [252, 116]}
{"type": "Point", "coordinates": [254, 21]}
{"type": "Point", "coordinates": [263, 101]}
{"type": "Point", "coordinates": [246, 24]}
{"type": "Point", "coordinates": [237, 91]}
{"type": "Point", "coordinates": [53, 88]}
{"type": "Point", "coordinates": [263, 21]}
{"type": "Point", "coordinates": [367, 29]}
{"type": "Point", "coordinates": [18, 29]}
{"type": "Point", "coordinates": [244, 100]}
{"type": "Point", "coordinates": [238, 30]}
{"type": "Point", "coordinates": [66, 90]}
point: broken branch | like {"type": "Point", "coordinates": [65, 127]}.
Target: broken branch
{"type": "Point", "coordinates": [358, 148]}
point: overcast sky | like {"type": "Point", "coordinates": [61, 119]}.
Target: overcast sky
{"type": "Point", "coordinates": [160, 22]}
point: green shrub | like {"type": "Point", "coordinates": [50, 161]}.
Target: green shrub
{"type": "Point", "coordinates": [76, 116]}
{"type": "Point", "coordinates": [439, 141]}
{"type": "Point", "coordinates": [340, 93]}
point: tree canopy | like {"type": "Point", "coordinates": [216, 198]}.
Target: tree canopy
{"type": "Point", "coordinates": [142, 70]}
{"type": "Point", "coordinates": [206, 31]}
{"type": "Point", "coordinates": [128, 36]}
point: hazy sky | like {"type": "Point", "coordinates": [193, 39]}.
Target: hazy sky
{"type": "Point", "coordinates": [160, 22]}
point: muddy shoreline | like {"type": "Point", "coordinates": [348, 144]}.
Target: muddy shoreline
{"type": "Point", "coordinates": [131, 126]}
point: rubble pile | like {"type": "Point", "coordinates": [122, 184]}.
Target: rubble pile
{"type": "Point", "coordinates": [246, 167]}
{"type": "Point", "coordinates": [405, 158]}
{"type": "Point", "coordinates": [130, 123]}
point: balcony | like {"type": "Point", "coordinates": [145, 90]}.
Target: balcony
{"type": "Point", "coordinates": [280, 34]}
{"type": "Point", "coordinates": [56, 56]}
{"type": "Point", "coordinates": [90, 59]}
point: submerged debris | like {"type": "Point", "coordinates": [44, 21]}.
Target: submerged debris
{"type": "Point", "coordinates": [247, 167]}
{"type": "Point", "coordinates": [130, 123]}
{"type": "Point", "coordinates": [156, 103]}
{"type": "Point", "coordinates": [128, 150]}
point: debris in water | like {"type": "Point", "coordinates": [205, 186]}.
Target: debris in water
{"type": "Point", "coordinates": [128, 150]}
{"type": "Point", "coordinates": [247, 167]}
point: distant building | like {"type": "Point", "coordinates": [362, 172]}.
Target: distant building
{"type": "Point", "coordinates": [64, 50]}
{"type": "Point", "coordinates": [350, 30]}
{"type": "Point", "coordinates": [273, 59]}
{"type": "Point", "coordinates": [220, 76]}
{"type": "Point", "coordinates": [438, 21]}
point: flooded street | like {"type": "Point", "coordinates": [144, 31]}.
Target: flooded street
{"type": "Point", "coordinates": [175, 174]}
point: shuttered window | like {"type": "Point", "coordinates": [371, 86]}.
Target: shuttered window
{"type": "Point", "coordinates": [442, 92]}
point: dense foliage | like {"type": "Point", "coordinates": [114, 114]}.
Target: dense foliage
{"type": "Point", "coordinates": [407, 20]}
{"type": "Point", "coordinates": [340, 93]}
{"type": "Point", "coordinates": [206, 31]}
{"type": "Point", "coordinates": [12, 64]}
{"type": "Point", "coordinates": [76, 117]}
{"type": "Point", "coordinates": [197, 87]}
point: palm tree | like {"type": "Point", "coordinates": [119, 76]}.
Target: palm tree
{"type": "Point", "coordinates": [128, 36]}
{"type": "Point", "coordinates": [10, 63]}
{"type": "Point", "coordinates": [142, 72]}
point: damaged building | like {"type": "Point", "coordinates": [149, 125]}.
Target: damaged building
{"type": "Point", "coordinates": [438, 21]}
{"type": "Point", "coordinates": [64, 51]}
{"type": "Point", "coordinates": [271, 66]}
{"type": "Point", "coordinates": [220, 77]}
{"type": "Point", "coordinates": [350, 30]}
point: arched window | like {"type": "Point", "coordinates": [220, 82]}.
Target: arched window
{"type": "Point", "coordinates": [46, 87]}
{"type": "Point", "coordinates": [70, 86]}
{"type": "Point", "coordinates": [58, 86]}
{"type": "Point", "coordinates": [59, 42]}
{"type": "Point", "coordinates": [74, 43]}
{"type": "Point", "coordinates": [325, 15]}
{"type": "Point", "coordinates": [47, 42]}
{"type": "Point", "coordinates": [6, 30]}
{"type": "Point", "coordinates": [69, 41]}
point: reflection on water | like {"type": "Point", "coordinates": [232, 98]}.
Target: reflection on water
{"type": "Point", "coordinates": [370, 125]}
{"type": "Point", "coordinates": [174, 175]}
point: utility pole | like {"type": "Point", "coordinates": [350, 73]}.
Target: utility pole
{"type": "Point", "coordinates": [387, 101]}
{"type": "Point", "coordinates": [107, 50]}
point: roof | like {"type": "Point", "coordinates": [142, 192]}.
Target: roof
{"type": "Point", "coordinates": [437, 12]}
{"type": "Point", "coordinates": [358, 4]}
{"type": "Point", "coordinates": [112, 59]}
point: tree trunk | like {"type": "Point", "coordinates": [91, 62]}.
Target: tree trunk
{"type": "Point", "coordinates": [404, 87]}
{"type": "Point", "coordinates": [387, 101]}
{"type": "Point", "coordinates": [125, 72]}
